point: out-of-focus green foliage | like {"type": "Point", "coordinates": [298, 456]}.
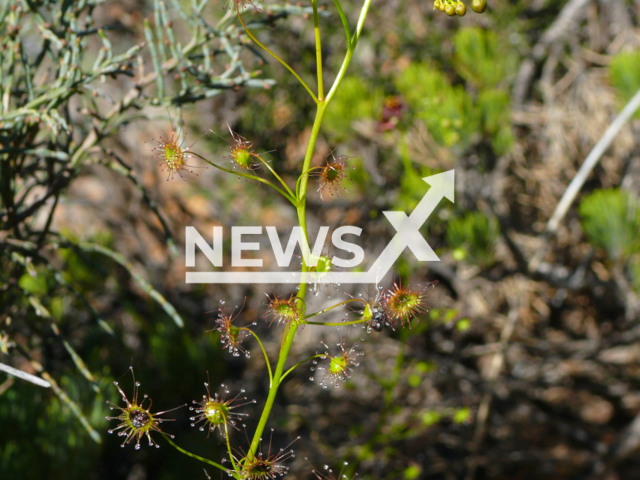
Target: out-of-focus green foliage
{"type": "Point", "coordinates": [412, 472]}
{"type": "Point", "coordinates": [481, 59]}
{"type": "Point", "coordinates": [453, 115]}
{"type": "Point", "coordinates": [447, 110]}
{"type": "Point", "coordinates": [473, 237]}
{"type": "Point", "coordinates": [37, 427]}
{"type": "Point", "coordinates": [356, 99]}
{"type": "Point", "coordinates": [634, 266]}
{"type": "Point", "coordinates": [611, 221]}
{"type": "Point", "coordinates": [495, 111]}
{"type": "Point", "coordinates": [413, 187]}
{"type": "Point", "coordinates": [625, 74]}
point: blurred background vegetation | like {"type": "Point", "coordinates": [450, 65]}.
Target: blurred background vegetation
{"type": "Point", "coordinates": [521, 369]}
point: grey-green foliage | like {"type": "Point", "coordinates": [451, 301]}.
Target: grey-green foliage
{"type": "Point", "coordinates": [611, 221]}
{"type": "Point", "coordinates": [474, 237]}
{"type": "Point", "coordinates": [35, 427]}
{"type": "Point", "coordinates": [59, 104]}
{"type": "Point", "coordinates": [625, 74]}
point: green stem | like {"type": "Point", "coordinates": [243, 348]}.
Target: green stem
{"type": "Point", "coordinates": [250, 177]}
{"type": "Point", "coordinates": [335, 306]}
{"type": "Point", "coordinates": [350, 50]}
{"type": "Point", "coordinates": [302, 194]}
{"type": "Point", "coordinates": [266, 357]}
{"type": "Point", "coordinates": [226, 434]}
{"type": "Point", "coordinates": [316, 28]}
{"type": "Point", "coordinates": [290, 332]}
{"type": "Point", "coordinates": [336, 324]}
{"type": "Point", "coordinates": [275, 174]}
{"type": "Point", "coordinates": [300, 363]}
{"type": "Point", "coordinates": [192, 455]}
{"type": "Point", "coordinates": [345, 23]}
{"type": "Point", "coordinates": [300, 179]}
{"type": "Point", "coordinates": [285, 64]}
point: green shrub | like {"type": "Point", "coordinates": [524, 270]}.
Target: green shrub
{"type": "Point", "coordinates": [625, 74]}
{"type": "Point", "coordinates": [447, 110]}
{"type": "Point", "coordinates": [481, 59]}
{"type": "Point", "coordinates": [611, 221]}
{"type": "Point", "coordinates": [474, 236]}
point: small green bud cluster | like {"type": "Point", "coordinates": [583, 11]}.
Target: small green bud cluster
{"type": "Point", "coordinates": [457, 7]}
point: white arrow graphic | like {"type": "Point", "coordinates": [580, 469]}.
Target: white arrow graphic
{"type": "Point", "coordinates": [407, 236]}
{"type": "Point", "coordinates": [408, 228]}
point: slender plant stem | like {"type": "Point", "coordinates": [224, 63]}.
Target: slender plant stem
{"type": "Point", "coordinates": [275, 174]}
{"type": "Point", "coordinates": [277, 377]}
{"type": "Point", "coordinates": [300, 363]}
{"type": "Point", "coordinates": [300, 179]}
{"type": "Point", "coordinates": [336, 324]}
{"type": "Point", "coordinates": [226, 434]}
{"type": "Point", "coordinates": [193, 455]}
{"type": "Point", "coordinates": [266, 357]}
{"type": "Point", "coordinates": [290, 332]}
{"type": "Point", "coordinates": [302, 193]}
{"type": "Point", "coordinates": [316, 29]}
{"type": "Point", "coordinates": [350, 50]}
{"type": "Point", "coordinates": [250, 177]}
{"type": "Point", "coordinates": [345, 23]}
{"type": "Point", "coordinates": [285, 64]}
{"type": "Point", "coordinates": [335, 306]}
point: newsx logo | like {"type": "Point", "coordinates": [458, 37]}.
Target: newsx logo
{"type": "Point", "coordinates": [407, 236]}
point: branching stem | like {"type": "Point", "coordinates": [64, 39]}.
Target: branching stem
{"type": "Point", "coordinates": [300, 203]}
{"type": "Point", "coordinates": [300, 363]}
{"type": "Point", "coordinates": [266, 357]}
{"type": "Point", "coordinates": [335, 306]}
{"type": "Point", "coordinates": [316, 29]}
{"type": "Point", "coordinates": [336, 324]}
{"type": "Point", "coordinates": [285, 64]}
{"type": "Point", "coordinates": [250, 177]}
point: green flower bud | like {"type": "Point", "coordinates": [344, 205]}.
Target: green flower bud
{"type": "Point", "coordinates": [242, 156]}
{"type": "Point", "coordinates": [479, 6]}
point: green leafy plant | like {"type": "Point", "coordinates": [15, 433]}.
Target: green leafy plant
{"type": "Point", "coordinates": [495, 114]}
{"type": "Point", "coordinates": [624, 74]}
{"type": "Point", "coordinates": [611, 221]}
{"type": "Point", "coordinates": [447, 110]}
{"type": "Point", "coordinates": [57, 114]}
{"type": "Point", "coordinates": [474, 236]}
{"type": "Point", "coordinates": [451, 113]}
{"type": "Point", "coordinates": [396, 306]}
{"type": "Point", "coordinates": [634, 267]}
{"type": "Point", "coordinates": [481, 59]}
{"type": "Point", "coordinates": [355, 100]}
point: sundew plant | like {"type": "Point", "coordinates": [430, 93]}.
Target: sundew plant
{"type": "Point", "coordinates": [220, 412]}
